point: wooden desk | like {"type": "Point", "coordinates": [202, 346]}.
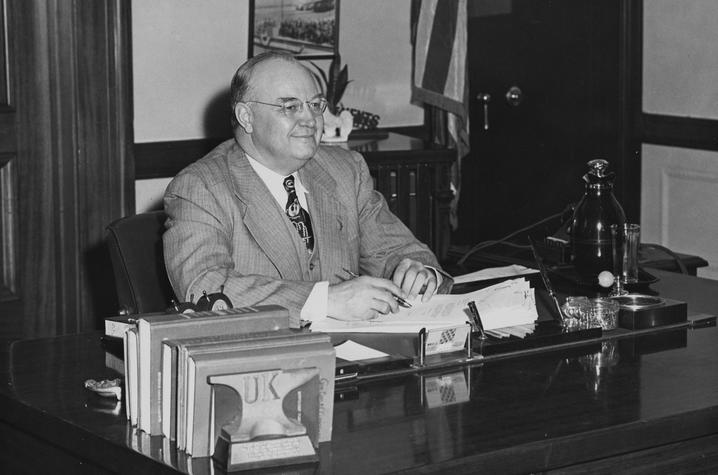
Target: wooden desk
{"type": "Point", "coordinates": [502, 254]}
{"type": "Point", "coordinates": [645, 401]}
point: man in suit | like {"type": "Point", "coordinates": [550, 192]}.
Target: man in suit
{"type": "Point", "coordinates": [272, 217]}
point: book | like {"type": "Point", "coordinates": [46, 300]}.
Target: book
{"type": "Point", "coordinates": [118, 325]}
{"type": "Point", "coordinates": [114, 353]}
{"type": "Point", "coordinates": [168, 404]}
{"type": "Point", "coordinates": [311, 350]}
{"type": "Point", "coordinates": [171, 350]}
{"type": "Point", "coordinates": [131, 375]}
{"type": "Point", "coordinates": [190, 347]}
{"type": "Point", "coordinates": [153, 330]}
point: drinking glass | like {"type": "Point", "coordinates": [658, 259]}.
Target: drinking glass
{"type": "Point", "coordinates": [625, 239]}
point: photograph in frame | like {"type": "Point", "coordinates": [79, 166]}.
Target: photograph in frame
{"type": "Point", "coordinates": [308, 29]}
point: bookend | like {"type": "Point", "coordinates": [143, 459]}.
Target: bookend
{"type": "Point", "coordinates": [267, 418]}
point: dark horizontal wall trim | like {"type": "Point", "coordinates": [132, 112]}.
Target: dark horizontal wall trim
{"type": "Point", "coordinates": [677, 131]}
{"type": "Point", "coordinates": [166, 159]}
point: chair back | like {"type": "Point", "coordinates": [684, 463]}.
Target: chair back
{"type": "Point", "coordinates": [135, 245]}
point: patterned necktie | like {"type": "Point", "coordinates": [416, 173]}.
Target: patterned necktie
{"type": "Point", "coordinates": [298, 215]}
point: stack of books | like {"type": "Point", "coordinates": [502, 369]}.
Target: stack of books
{"type": "Point", "coordinates": [229, 376]}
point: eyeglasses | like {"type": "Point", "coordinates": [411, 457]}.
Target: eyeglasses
{"type": "Point", "coordinates": [292, 107]}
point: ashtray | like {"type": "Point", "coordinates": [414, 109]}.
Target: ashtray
{"type": "Point", "coordinates": [638, 301]}
{"type": "Point", "coordinates": [584, 312]}
{"type": "Point", "coordinates": [638, 311]}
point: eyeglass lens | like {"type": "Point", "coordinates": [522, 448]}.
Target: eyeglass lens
{"type": "Point", "coordinates": [295, 106]}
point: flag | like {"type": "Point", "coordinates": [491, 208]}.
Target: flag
{"type": "Point", "coordinates": [440, 75]}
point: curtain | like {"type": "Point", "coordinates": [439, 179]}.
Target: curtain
{"type": "Point", "coordinates": [440, 76]}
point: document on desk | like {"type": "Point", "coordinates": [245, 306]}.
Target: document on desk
{"type": "Point", "coordinates": [513, 270]}
{"type": "Point", "coordinates": [507, 303]}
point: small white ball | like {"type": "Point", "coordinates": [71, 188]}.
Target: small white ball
{"type": "Point", "coordinates": [605, 279]}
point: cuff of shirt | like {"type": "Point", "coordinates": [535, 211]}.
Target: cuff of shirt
{"type": "Point", "coordinates": [315, 307]}
{"type": "Point", "coordinates": [444, 282]}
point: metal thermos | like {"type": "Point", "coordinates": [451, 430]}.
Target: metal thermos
{"type": "Point", "coordinates": [590, 230]}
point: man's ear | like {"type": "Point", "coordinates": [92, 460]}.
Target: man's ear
{"type": "Point", "coordinates": [244, 116]}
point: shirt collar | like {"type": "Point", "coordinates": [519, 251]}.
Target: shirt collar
{"type": "Point", "coordinates": [274, 180]}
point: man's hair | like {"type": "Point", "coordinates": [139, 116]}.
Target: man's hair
{"type": "Point", "coordinates": [243, 77]}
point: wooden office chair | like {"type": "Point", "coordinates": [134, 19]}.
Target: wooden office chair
{"type": "Point", "coordinates": [135, 245]}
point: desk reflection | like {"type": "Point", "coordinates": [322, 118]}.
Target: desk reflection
{"type": "Point", "coordinates": [436, 417]}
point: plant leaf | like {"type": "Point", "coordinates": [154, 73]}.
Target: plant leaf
{"type": "Point", "coordinates": [339, 93]}
{"type": "Point", "coordinates": [334, 67]}
{"type": "Point", "coordinates": [321, 77]}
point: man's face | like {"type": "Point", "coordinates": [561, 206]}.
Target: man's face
{"type": "Point", "coordinates": [284, 142]}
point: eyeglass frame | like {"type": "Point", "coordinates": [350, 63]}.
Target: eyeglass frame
{"type": "Point", "coordinates": [283, 106]}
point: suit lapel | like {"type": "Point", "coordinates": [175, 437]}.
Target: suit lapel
{"type": "Point", "coordinates": [327, 215]}
{"type": "Point", "coordinates": [263, 218]}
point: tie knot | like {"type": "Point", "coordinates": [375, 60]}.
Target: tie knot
{"type": "Point", "coordinates": [289, 183]}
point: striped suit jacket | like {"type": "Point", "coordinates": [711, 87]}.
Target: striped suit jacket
{"type": "Point", "coordinates": [224, 228]}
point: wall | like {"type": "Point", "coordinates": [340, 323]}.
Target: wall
{"type": "Point", "coordinates": [679, 192]}
{"type": "Point", "coordinates": [185, 52]}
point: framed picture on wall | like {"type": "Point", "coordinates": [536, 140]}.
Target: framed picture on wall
{"type": "Point", "coordinates": [308, 29]}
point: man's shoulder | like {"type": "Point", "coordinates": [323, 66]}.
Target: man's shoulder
{"type": "Point", "coordinates": [339, 159]}
{"type": "Point", "coordinates": [215, 160]}
{"type": "Point", "coordinates": [211, 168]}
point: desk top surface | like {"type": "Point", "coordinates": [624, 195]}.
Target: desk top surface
{"type": "Point", "coordinates": [526, 412]}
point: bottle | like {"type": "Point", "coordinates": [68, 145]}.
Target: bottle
{"type": "Point", "coordinates": [590, 229]}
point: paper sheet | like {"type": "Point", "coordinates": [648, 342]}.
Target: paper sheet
{"type": "Point", "coordinates": [353, 351]}
{"type": "Point", "coordinates": [507, 303]}
{"type": "Point", "coordinates": [494, 273]}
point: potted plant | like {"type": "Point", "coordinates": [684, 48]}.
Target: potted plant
{"type": "Point", "coordinates": [337, 122]}
{"type": "Point", "coordinates": [333, 83]}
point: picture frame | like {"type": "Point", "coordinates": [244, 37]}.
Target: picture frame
{"type": "Point", "coordinates": [308, 29]}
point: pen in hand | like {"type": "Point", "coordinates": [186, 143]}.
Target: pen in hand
{"type": "Point", "coordinates": [402, 302]}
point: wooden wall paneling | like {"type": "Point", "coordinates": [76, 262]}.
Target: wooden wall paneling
{"type": "Point", "coordinates": [37, 186]}
{"type": "Point", "coordinates": [8, 179]}
{"type": "Point", "coordinates": [104, 128]}
{"type": "Point", "coordinates": [72, 69]}
{"type": "Point", "coordinates": [8, 229]}
{"type": "Point", "coordinates": [10, 303]}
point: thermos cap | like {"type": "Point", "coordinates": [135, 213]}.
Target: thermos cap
{"type": "Point", "coordinates": [598, 174]}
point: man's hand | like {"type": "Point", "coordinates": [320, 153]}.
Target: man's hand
{"type": "Point", "coordinates": [414, 277]}
{"type": "Point", "coordinates": [362, 298]}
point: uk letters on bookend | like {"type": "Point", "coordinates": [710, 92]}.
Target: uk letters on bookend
{"type": "Point", "coordinates": [152, 331]}
{"type": "Point", "coordinates": [266, 417]}
{"type": "Point", "coordinates": [276, 365]}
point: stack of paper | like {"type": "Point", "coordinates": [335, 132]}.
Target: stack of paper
{"type": "Point", "coordinates": [507, 303]}
{"type": "Point", "coordinates": [513, 270]}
